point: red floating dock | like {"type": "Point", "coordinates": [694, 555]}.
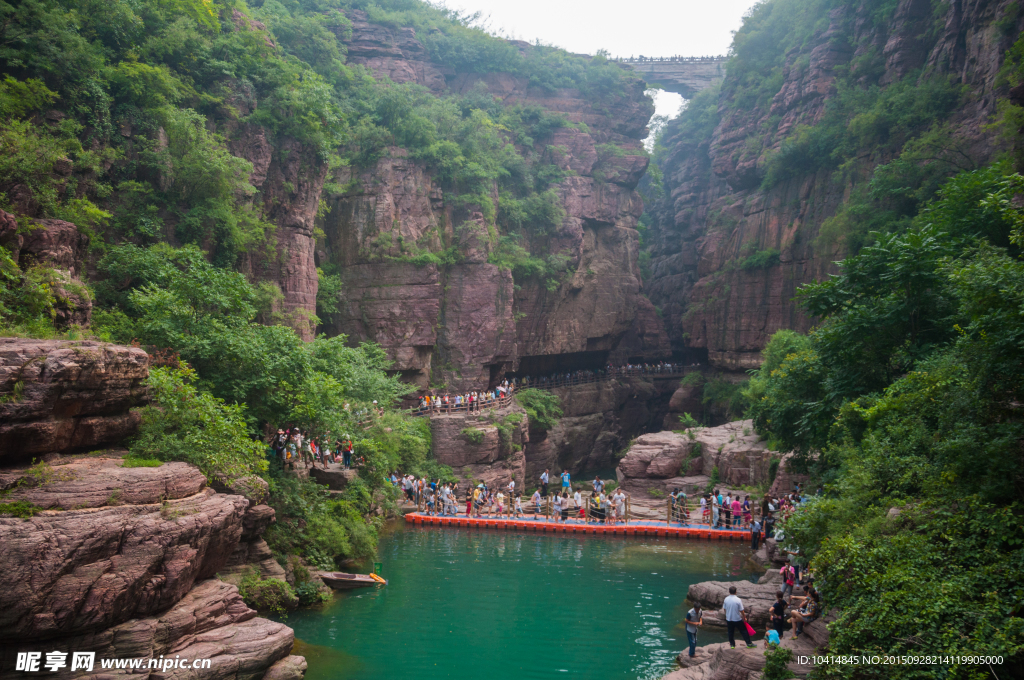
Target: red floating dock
{"type": "Point", "coordinates": [656, 528]}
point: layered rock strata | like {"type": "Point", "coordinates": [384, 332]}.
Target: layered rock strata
{"type": "Point", "coordinates": [61, 396]}
{"type": "Point", "coordinates": [715, 215]}
{"type": "Point", "coordinates": [467, 322]}
{"type": "Point", "coordinates": [122, 562]}
{"type": "Point", "coordinates": [485, 446]}
{"type": "Point", "coordinates": [664, 460]}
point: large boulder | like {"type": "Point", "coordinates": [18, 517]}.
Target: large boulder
{"type": "Point", "coordinates": [58, 396]}
{"type": "Point", "coordinates": [209, 622]}
{"type": "Point", "coordinates": [756, 597]}
{"type": "Point", "coordinates": [76, 571]}
{"type": "Point", "coordinates": [665, 460]}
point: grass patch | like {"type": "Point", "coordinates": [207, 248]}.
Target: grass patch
{"type": "Point", "coordinates": [473, 435]}
{"type": "Point", "coordinates": [22, 509]}
{"type": "Point", "coordinates": [136, 462]}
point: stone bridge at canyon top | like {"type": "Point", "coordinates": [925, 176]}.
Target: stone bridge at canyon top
{"type": "Point", "coordinates": [684, 75]}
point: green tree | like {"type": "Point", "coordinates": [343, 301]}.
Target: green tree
{"type": "Point", "coordinates": [185, 423]}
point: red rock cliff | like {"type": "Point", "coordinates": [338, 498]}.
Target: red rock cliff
{"type": "Point", "coordinates": [715, 213]}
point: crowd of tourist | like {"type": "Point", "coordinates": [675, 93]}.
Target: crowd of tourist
{"type": "Point", "coordinates": [469, 401]}
{"type": "Point", "coordinates": [475, 400]}
{"type": "Point", "coordinates": [293, 449]}
{"type": "Point", "coordinates": [570, 503]}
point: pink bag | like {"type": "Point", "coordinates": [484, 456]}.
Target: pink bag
{"type": "Point", "coordinates": [750, 629]}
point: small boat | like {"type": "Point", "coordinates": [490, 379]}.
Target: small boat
{"type": "Point", "coordinates": [342, 581]}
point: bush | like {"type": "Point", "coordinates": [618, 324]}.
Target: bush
{"type": "Point", "coordinates": [267, 594]}
{"type": "Point", "coordinates": [22, 509]}
{"type": "Point", "coordinates": [185, 423]}
{"type": "Point", "coordinates": [310, 593]}
{"type": "Point", "coordinates": [775, 664]}
{"type": "Point", "coordinates": [542, 408]}
{"type": "Point", "coordinates": [473, 435]}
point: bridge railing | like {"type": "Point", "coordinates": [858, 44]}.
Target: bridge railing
{"type": "Point", "coordinates": [669, 60]}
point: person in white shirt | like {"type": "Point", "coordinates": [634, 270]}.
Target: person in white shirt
{"type": "Point", "coordinates": [736, 617]}
{"type": "Point", "coordinates": [620, 504]}
{"type": "Point", "coordinates": [556, 507]}
{"type": "Point", "coordinates": [535, 499]}
{"type": "Point", "coordinates": [544, 483]}
{"type": "Point", "coordinates": [519, 507]}
{"type": "Point", "coordinates": [577, 499]}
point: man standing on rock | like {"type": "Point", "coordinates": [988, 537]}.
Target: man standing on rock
{"type": "Point", "coordinates": [544, 483]}
{"type": "Point", "coordinates": [694, 618]}
{"type": "Point", "coordinates": [755, 534]}
{"type": "Point", "coordinates": [736, 617]}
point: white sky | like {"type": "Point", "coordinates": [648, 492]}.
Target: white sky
{"type": "Point", "coordinates": [659, 28]}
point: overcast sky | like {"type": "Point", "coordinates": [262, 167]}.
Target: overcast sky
{"type": "Point", "coordinates": [659, 28]}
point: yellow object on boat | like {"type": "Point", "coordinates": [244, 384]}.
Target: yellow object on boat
{"type": "Point", "coordinates": [378, 579]}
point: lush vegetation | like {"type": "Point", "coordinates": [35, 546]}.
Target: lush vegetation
{"type": "Point", "coordinates": [904, 402]}
{"type": "Point", "coordinates": [544, 408]}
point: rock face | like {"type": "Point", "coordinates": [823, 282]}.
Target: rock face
{"type": "Point", "coordinates": [487, 447]}
{"type": "Point", "coordinates": [465, 322]}
{"type": "Point", "coordinates": [122, 563]}
{"type": "Point", "coordinates": [599, 419]}
{"type": "Point", "coordinates": [62, 396]}
{"type": "Point", "coordinates": [715, 215]}
{"type": "Point", "coordinates": [665, 460]}
{"type": "Point", "coordinates": [58, 245]}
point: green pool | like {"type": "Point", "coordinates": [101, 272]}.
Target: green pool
{"type": "Point", "coordinates": [467, 603]}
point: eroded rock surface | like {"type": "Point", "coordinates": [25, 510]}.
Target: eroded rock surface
{"type": "Point", "coordinates": [665, 460]}
{"type": "Point", "coordinates": [485, 446]}
{"type": "Point", "coordinates": [62, 396]}
{"type": "Point", "coordinates": [123, 563]}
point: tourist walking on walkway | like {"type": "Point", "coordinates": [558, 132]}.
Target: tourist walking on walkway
{"type": "Point", "coordinates": [694, 619]}
{"type": "Point", "coordinates": [544, 483]}
{"type": "Point", "coordinates": [556, 507]}
{"type": "Point", "coordinates": [519, 506]}
{"type": "Point", "coordinates": [736, 617]}
{"type": "Point", "coordinates": [577, 499]}
{"type": "Point", "coordinates": [535, 499]}
{"type": "Point", "coordinates": [737, 511]}
{"type": "Point", "coordinates": [620, 504]}
{"type": "Point", "coordinates": [714, 509]}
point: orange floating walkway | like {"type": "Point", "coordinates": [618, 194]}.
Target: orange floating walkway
{"type": "Point", "coordinates": [632, 528]}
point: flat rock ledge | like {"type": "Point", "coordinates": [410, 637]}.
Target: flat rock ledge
{"type": "Point", "coordinates": [719, 661]}
{"type": "Point", "coordinates": [123, 562]}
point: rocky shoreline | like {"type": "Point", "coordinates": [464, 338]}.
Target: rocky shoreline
{"type": "Point", "coordinates": [718, 661]}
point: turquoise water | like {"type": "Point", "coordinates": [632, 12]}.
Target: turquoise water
{"type": "Point", "coordinates": [462, 603]}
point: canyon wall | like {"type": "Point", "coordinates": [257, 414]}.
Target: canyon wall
{"type": "Point", "coordinates": [466, 322]}
{"type": "Point", "coordinates": [716, 214]}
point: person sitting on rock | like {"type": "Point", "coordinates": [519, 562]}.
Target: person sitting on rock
{"type": "Point", "coordinates": [807, 613]}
